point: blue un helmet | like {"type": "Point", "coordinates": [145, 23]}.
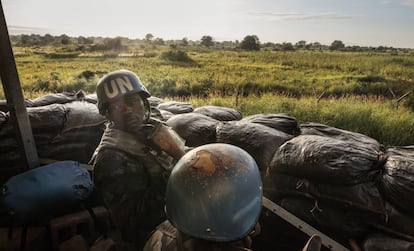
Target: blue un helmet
{"type": "Point", "coordinates": [117, 84]}
{"type": "Point", "coordinates": [214, 193]}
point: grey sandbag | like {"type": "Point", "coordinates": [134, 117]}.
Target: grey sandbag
{"type": "Point", "coordinates": [336, 133]}
{"type": "Point", "coordinates": [220, 113]}
{"type": "Point", "coordinates": [326, 160]}
{"type": "Point", "coordinates": [279, 121]}
{"type": "Point", "coordinates": [4, 116]}
{"type": "Point", "coordinates": [336, 222]}
{"type": "Point", "coordinates": [381, 242]}
{"type": "Point", "coordinates": [258, 140]}
{"type": "Point", "coordinates": [363, 197]}
{"type": "Point", "coordinates": [398, 177]}
{"type": "Point", "coordinates": [42, 119]}
{"type": "Point", "coordinates": [195, 128]}
{"type": "Point", "coordinates": [176, 107]}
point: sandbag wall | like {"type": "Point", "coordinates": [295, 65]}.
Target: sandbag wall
{"type": "Point", "coordinates": [343, 183]}
{"type": "Point", "coordinates": [65, 127]}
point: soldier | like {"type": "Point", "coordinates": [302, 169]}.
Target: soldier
{"type": "Point", "coordinates": [134, 158]}
{"type": "Point", "coordinates": [213, 201]}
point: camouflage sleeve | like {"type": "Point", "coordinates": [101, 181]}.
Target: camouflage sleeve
{"type": "Point", "coordinates": [135, 204]}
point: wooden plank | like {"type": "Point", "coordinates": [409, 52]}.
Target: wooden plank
{"type": "Point", "coordinates": [14, 95]}
{"type": "Point", "coordinates": [301, 225]}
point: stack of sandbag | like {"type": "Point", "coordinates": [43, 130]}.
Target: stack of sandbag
{"type": "Point", "coordinates": [65, 127]}
{"type": "Point", "coordinates": [346, 184]}
{"type": "Point", "coordinates": [260, 135]}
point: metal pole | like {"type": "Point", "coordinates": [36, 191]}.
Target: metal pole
{"type": "Point", "coordinates": [14, 95]}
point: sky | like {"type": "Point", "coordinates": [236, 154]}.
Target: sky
{"type": "Point", "coordinates": [354, 22]}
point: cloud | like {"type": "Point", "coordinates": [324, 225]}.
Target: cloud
{"type": "Point", "coordinates": [17, 29]}
{"type": "Point", "coordinates": [409, 3]}
{"type": "Point", "coordinates": [300, 15]}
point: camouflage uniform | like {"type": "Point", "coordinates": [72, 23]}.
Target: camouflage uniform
{"type": "Point", "coordinates": [167, 238]}
{"type": "Point", "coordinates": [131, 178]}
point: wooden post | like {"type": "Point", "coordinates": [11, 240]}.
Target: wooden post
{"type": "Point", "coordinates": [14, 95]}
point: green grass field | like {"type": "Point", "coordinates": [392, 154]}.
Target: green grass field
{"type": "Point", "coordinates": [356, 91]}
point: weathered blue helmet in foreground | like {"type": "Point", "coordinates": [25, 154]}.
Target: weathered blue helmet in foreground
{"type": "Point", "coordinates": [117, 84]}
{"type": "Point", "coordinates": [215, 193]}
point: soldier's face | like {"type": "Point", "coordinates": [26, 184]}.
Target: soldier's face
{"type": "Point", "coordinates": [127, 113]}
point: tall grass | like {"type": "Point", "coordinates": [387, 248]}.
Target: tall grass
{"type": "Point", "coordinates": [372, 116]}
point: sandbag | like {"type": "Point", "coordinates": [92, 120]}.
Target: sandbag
{"type": "Point", "coordinates": [155, 101]}
{"type": "Point", "coordinates": [54, 98]}
{"type": "Point", "coordinates": [258, 140]}
{"type": "Point", "coordinates": [166, 115]}
{"type": "Point", "coordinates": [336, 133]}
{"type": "Point", "coordinates": [81, 152]}
{"type": "Point", "coordinates": [195, 128]}
{"type": "Point", "coordinates": [364, 197]}
{"type": "Point", "coordinates": [381, 242]}
{"type": "Point", "coordinates": [42, 190]}
{"type": "Point", "coordinates": [398, 177]}
{"type": "Point", "coordinates": [281, 122]}
{"type": "Point", "coordinates": [42, 119]}
{"type": "Point", "coordinates": [220, 113]}
{"type": "Point", "coordinates": [82, 114]}
{"type": "Point", "coordinates": [326, 160]}
{"type": "Point", "coordinates": [176, 107]}
{"type": "Point", "coordinates": [336, 222]}
{"type": "Point", "coordinates": [398, 223]}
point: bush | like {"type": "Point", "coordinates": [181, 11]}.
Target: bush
{"type": "Point", "coordinates": [176, 55]}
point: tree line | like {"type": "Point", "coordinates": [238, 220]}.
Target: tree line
{"type": "Point", "coordinates": [249, 42]}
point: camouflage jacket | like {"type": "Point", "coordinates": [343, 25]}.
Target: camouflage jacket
{"type": "Point", "coordinates": [131, 179]}
{"type": "Point", "coordinates": [167, 238]}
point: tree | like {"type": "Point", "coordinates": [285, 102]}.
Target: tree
{"type": "Point", "coordinates": [184, 41]}
{"type": "Point", "coordinates": [337, 45]}
{"type": "Point", "coordinates": [149, 37]}
{"type": "Point", "coordinates": [250, 43]}
{"type": "Point", "coordinates": [207, 41]}
{"type": "Point", "coordinates": [300, 44]}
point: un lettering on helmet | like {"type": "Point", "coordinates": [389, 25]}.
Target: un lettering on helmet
{"type": "Point", "coordinates": [120, 85]}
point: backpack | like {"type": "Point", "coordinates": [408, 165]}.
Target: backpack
{"type": "Point", "coordinates": [46, 189]}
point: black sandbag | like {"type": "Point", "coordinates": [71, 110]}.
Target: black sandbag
{"type": "Point", "coordinates": [398, 223]}
{"type": "Point", "coordinates": [44, 138]}
{"type": "Point", "coordinates": [4, 116]}
{"type": "Point", "coordinates": [89, 135]}
{"type": "Point", "coordinates": [258, 140]}
{"type": "Point", "coordinates": [220, 113]}
{"type": "Point", "coordinates": [81, 152]}
{"type": "Point", "coordinates": [326, 160]}
{"type": "Point", "coordinates": [166, 115]}
{"type": "Point", "coordinates": [397, 180]}
{"type": "Point", "coordinates": [4, 107]}
{"type": "Point", "coordinates": [155, 101]}
{"type": "Point", "coordinates": [364, 197]}
{"type": "Point", "coordinates": [42, 119]}
{"type": "Point", "coordinates": [91, 98]}
{"type": "Point", "coordinates": [55, 98]}
{"type": "Point", "coordinates": [381, 242]}
{"type": "Point", "coordinates": [281, 122]}
{"type": "Point", "coordinates": [327, 219]}
{"type": "Point", "coordinates": [336, 133]}
{"type": "Point", "coordinates": [176, 107]}
{"type": "Point", "coordinates": [82, 114]}
{"type": "Point", "coordinates": [7, 144]}
{"type": "Point", "coordinates": [195, 128]}
{"type": "Point", "coordinates": [11, 157]}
